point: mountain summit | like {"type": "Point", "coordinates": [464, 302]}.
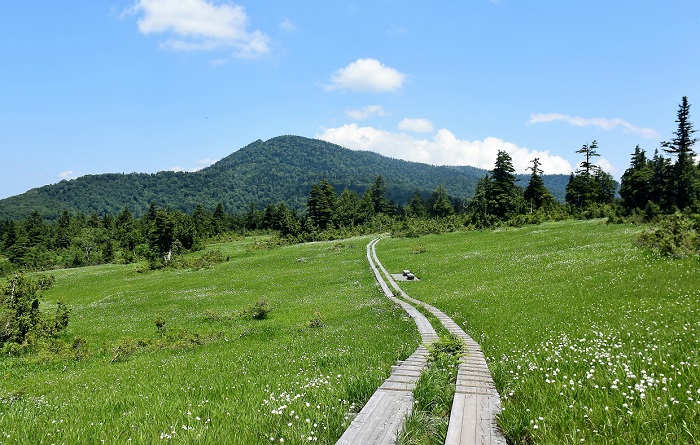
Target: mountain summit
{"type": "Point", "coordinates": [281, 169]}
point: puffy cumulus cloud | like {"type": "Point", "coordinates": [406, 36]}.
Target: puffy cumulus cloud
{"type": "Point", "coordinates": [198, 25]}
{"type": "Point", "coordinates": [366, 112]}
{"type": "Point", "coordinates": [418, 125]}
{"type": "Point", "coordinates": [367, 75]}
{"type": "Point", "coordinates": [607, 124]}
{"type": "Point", "coordinates": [442, 149]}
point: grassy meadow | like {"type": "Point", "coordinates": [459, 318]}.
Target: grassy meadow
{"type": "Point", "coordinates": [210, 374]}
{"type": "Point", "coordinates": [589, 338]}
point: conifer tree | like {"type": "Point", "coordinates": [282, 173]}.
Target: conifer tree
{"type": "Point", "coordinates": [590, 184]}
{"type": "Point", "coordinates": [684, 175]}
{"type": "Point", "coordinates": [536, 194]}
{"type": "Point", "coordinates": [378, 195]}
{"type": "Point", "coordinates": [415, 207]}
{"type": "Point", "coordinates": [321, 204]}
{"type": "Point", "coordinates": [504, 196]}
{"type": "Point", "coordinates": [635, 185]}
{"type": "Point", "coordinates": [441, 204]}
{"type": "Point", "coordinates": [347, 209]}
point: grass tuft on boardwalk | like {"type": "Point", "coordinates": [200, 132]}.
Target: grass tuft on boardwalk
{"type": "Point", "coordinates": [589, 338]}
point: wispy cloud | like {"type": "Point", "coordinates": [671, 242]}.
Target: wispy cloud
{"type": "Point", "coordinates": [199, 25]}
{"type": "Point", "coordinates": [601, 122]}
{"type": "Point", "coordinates": [366, 112]}
{"type": "Point", "coordinates": [442, 149]}
{"type": "Point", "coordinates": [367, 75]}
{"type": "Point", "coordinates": [288, 25]}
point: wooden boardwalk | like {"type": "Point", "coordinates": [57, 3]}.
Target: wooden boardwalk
{"type": "Point", "coordinates": [382, 418]}
{"type": "Point", "coordinates": [476, 402]}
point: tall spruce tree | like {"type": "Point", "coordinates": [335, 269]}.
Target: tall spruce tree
{"type": "Point", "coordinates": [684, 175]}
{"type": "Point", "coordinates": [536, 194]}
{"type": "Point", "coordinates": [377, 193]}
{"type": "Point", "coordinates": [590, 184]}
{"type": "Point", "coordinates": [635, 185]}
{"type": "Point", "coordinates": [321, 204]}
{"type": "Point", "coordinates": [503, 195]}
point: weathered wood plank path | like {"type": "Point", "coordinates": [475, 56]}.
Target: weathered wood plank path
{"type": "Point", "coordinates": [382, 418]}
{"type": "Point", "coordinates": [476, 402]}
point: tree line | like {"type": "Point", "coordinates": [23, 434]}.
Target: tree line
{"type": "Point", "coordinates": [649, 188]}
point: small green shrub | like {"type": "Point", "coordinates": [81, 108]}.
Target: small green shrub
{"type": "Point", "coordinates": [21, 320]}
{"type": "Point", "coordinates": [125, 348]}
{"type": "Point", "coordinates": [259, 310]}
{"type": "Point", "coordinates": [675, 236]}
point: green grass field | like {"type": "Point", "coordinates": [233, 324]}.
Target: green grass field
{"type": "Point", "coordinates": [213, 377]}
{"type": "Point", "coordinates": [590, 339]}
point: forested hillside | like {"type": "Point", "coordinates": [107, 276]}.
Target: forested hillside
{"type": "Point", "coordinates": [281, 169]}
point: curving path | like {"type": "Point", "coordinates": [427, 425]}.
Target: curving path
{"type": "Point", "coordinates": [381, 419]}
{"type": "Point", "coordinates": [476, 402]}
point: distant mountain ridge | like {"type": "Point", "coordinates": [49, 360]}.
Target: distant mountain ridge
{"type": "Point", "coordinates": [281, 169]}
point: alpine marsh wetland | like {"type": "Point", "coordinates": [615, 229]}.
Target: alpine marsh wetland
{"type": "Point", "coordinates": [589, 338]}
{"type": "Point", "coordinates": [182, 356]}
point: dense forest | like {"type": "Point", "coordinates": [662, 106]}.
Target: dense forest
{"type": "Point", "coordinates": [279, 170]}
{"type": "Point", "coordinates": [338, 204]}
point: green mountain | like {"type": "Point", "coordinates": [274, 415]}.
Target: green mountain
{"type": "Point", "coordinates": [281, 169]}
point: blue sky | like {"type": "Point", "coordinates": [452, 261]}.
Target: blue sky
{"type": "Point", "coordinates": [92, 87]}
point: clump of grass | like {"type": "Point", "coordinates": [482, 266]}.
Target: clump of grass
{"type": "Point", "coordinates": [160, 326]}
{"type": "Point", "coordinates": [418, 249]}
{"type": "Point", "coordinates": [259, 310]}
{"type": "Point", "coordinates": [206, 260]}
{"type": "Point", "coordinates": [316, 321]}
{"type": "Point", "coordinates": [427, 424]}
{"type": "Point", "coordinates": [213, 315]}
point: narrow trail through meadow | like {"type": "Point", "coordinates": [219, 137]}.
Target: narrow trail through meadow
{"type": "Point", "coordinates": [476, 402]}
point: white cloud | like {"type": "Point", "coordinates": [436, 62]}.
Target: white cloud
{"type": "Point", "coordinates": [443, 149]}
{"type": "Point", "coordinates": [418, 125]}
{"type": "Point", "coordinates": [198, 25]}
{"type": "Point", "coordinates": [366, 112]}
{"type": "Point", "coordinates": [367, 75]}
{"type": "Point", "coordinates": [606, 166]}
{"type": "Point", "coordinates": [198, 165]}
{"type": "Point", "coordinates": [607, 124]}
{"type": "Point", "coordinates": [68, 174]}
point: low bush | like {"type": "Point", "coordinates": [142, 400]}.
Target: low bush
{"type": "Point", "coordinates": [674, 236]}
{"type": "Point", "coordinates": [259, 310]}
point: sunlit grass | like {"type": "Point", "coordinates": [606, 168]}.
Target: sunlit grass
{"type": "Point", "coordinates": [589, 338]}
{"type": "Point", "coordinates": [252, 381]}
